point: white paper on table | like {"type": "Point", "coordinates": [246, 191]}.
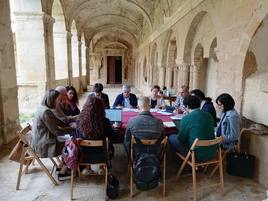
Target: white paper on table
{"type": "Point", "coordinates": [130, 110]}
{"type": "Point", "coordinates": [154, 110]}
{"type": "Point", "coordinates": [63, 138]}
{"type": "Point", "coordinates": [164, 113]}
{"type": "Point", "coordinates": [177, 117]}
{"type": "Point", "coordinates": [169, 124]}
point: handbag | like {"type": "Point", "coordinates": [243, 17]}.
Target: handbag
{"type": "Point", "coordinates": [16, 152]}
{"type": "Point", "coordinates": [240, 164]}
{"type": "Point", "coordinates": [113, 187]}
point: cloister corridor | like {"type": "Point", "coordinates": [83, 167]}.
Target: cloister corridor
{"type": "Point", "coordinates": [217, 46]}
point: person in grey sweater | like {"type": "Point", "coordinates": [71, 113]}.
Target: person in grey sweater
{"type": "Point", "coordinates": [145, 125]}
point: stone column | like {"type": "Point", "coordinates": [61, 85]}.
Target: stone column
{"type": "Point", "coordinates": [87, 65]}
{"type": "Point", "coordinates": [175, 81]}
{"type": "Point", "coordinates": [80, 65]}
{"type": "Point", "coordinates": [196, 76]}
{"type": "Point", "coordinates": [183, 75]}
{"type": "Point", "coordinates": [191, 76]}
{"type": "Point", "coordinates": [168, 77]}
{"type": "Point", "coordinates": [69, 57]}
{"type": "Point", "coordinates": [9, 112]}
{"type": "Point", "coordinates": [49, 50]}
{"type": "Point", "coordinates": [162, 72]}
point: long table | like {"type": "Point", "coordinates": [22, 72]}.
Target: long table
{"type": "Point", "coordinates": [127, 115]}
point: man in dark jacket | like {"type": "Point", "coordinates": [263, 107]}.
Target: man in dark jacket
{"type": "Point", "coordinates": [206, 104]}
{"type": "Point", "coordinates": [97, 91]}
{"type": "Point", "coordinates": [126, 99]}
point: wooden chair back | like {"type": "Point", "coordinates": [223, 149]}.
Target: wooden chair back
{"type": "Point", "coordinates": [28, 154]}
{"type": "Point", "coordinates": [191, 160]}
{"type": "Point", "coordinates": [93, 143]}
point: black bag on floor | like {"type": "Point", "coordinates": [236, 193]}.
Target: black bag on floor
{"type": "Point", "coordinates": [113, 187]}
{"type": "Point", "coordinates": [240, 164]}
{"type": "Point", "coordinates": [147, 171]}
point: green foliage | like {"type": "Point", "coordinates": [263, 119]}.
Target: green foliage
{"type": "Point", "coordinates": [26, 117]}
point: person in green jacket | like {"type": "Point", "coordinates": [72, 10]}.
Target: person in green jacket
{"type": "Point", "coordinates": [197, 124]}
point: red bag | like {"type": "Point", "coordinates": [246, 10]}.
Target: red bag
{"type": "Point", "coordinates": [70, 154]}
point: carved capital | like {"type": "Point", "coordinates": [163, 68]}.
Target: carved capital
{"type": "Point", "coordinates": [47, 19]}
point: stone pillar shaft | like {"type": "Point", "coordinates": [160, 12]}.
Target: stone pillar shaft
{"type": "Point", "coordinates": [162, 72]}
{"type": "Point", "coordinates": [9, 111]}
{"type": "Point", "coordinates": [87, 66]}
{"type": "Point", "coordinates": [168, 77]}
{"type": "Point", "coordinates": [183, 74]}
{"type": "Point", "coordinates": [80, 65]}
{"type": "Point", "coordinates": [69, 57]}
{"type": "Point", "coordinates": [49, 50]}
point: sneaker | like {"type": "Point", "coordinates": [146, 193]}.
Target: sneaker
{"type": "Point", "coordinates": [65, 176]}
{"type": "Point", "coordinates": [86, 172]}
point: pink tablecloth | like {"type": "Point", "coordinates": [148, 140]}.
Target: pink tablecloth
{"type": "Point", "coordinates": [126, 116]}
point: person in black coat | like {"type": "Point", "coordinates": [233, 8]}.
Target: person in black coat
{"type": "Point", "coordinates": [97, 91]}
{"type": "Point", "coordinates": [206, 104]}
{"type": "Point", "coordinates": [125, 99]}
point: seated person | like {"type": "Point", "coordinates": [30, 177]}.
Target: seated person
{"type": "Point", "coordinates": [93, 125]}
{"type": "Point", "coordinates": [61, 108]}
{"type": "Point", "coordinates": [197, 124]}
{"type": "Point", "coordinates": [162, 103]}
{"type": "Point", "coordinates": [145, 125]}
{"type": "Point", "coordinates": [182, 94]}
{"type": "Point", "coordinates": [125, 99]}
{"type": "Point", "coordinates": [206, 104]}
{"type": "Point", "coordinates": [229, 125]}
{"type": "Point", "coordinates": [97, 91]}
{"type": "Point", "coordinates": [46, 127]}
{"type": "Point", "coordinates": [72, 102]}
{"type": "Point", "coordinates": [156, 101]}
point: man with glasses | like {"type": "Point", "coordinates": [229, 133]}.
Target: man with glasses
{"type": "Point", "coordinates": [125, 99]}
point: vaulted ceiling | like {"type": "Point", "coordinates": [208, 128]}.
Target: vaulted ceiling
{"type": "Point", "coordinates": [127, 18]}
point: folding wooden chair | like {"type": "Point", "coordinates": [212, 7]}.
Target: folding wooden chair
{"type": "Point", "coordinates": [190, 160]}
{"type": "Point", "coordinates": [147, 142]}
{"type": "Point", "coordinates": [225, 152]}
{"type": "Point", "coordinates": [93, 144]}
{"type": "Point", "coordinates": [28, 155]}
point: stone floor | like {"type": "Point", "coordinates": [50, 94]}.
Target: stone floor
{"type": "Point", "coordinates": [36, 186]}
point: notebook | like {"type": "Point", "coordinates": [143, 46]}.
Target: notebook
{"type": "Point", "coordinates": [114, 115]}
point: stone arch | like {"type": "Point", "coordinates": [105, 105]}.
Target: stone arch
{"type": "Point", "coordinates": [198, 69]}
{"type": "Point", "coordinates": [212, 68]}
{"type": "Point", "coordinates": [60, 45]}
{"type": "Point", "coordinates": [154, 66]}
{"type": "Point", "coordinates": [171, 71]}
{"type": "Point", "coordinates": [190, 36]}
{"type": "Point", "coordinates": [255, 76]}
{"type": "Point", "coordinates": [163, 59]}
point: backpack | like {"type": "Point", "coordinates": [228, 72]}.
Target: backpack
{"type": "Point", "coordinates": [112, 187]}
{"type": "Point", "coordinates": [147, 171]}
{"type": "Point", "coordinates": [70, 154]}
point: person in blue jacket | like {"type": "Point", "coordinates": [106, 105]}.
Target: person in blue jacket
{"type": "Point", "coordinates": [125, 99]}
